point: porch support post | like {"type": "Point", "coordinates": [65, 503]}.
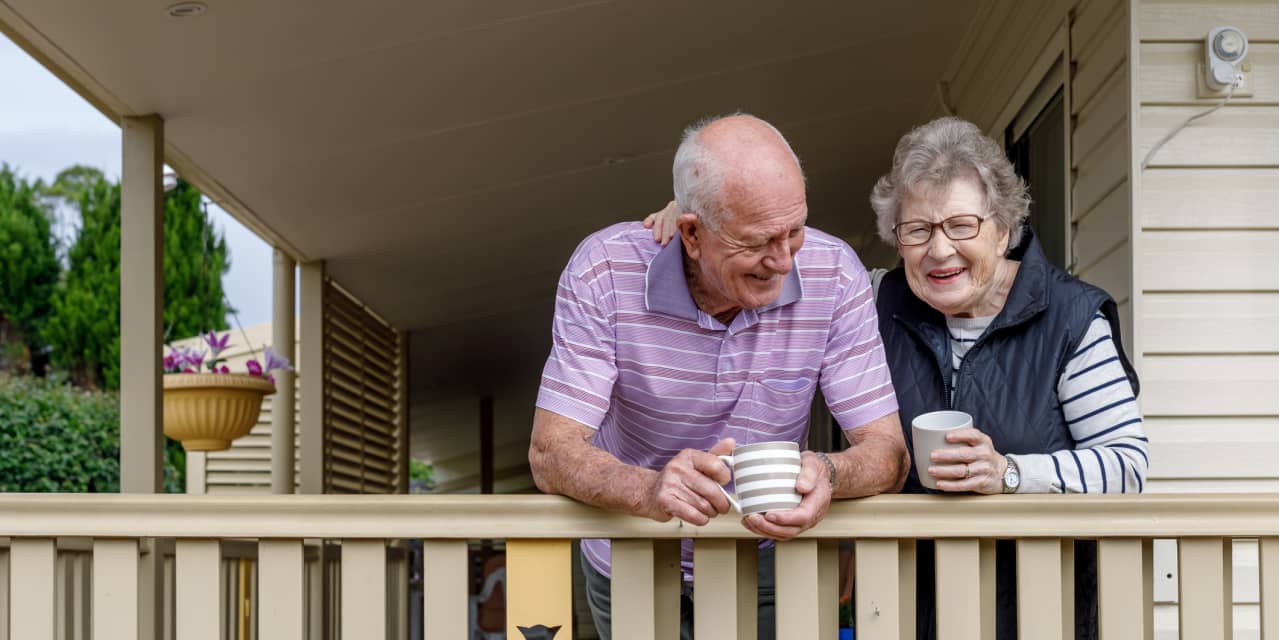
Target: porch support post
{"type": "Point", "coordinates": [141, 304]}
{"type": "Point", "coordinates": [282, 403]}
{"type": "Point", "coordinates": [311, 356]}
{"type": "Point", "coordinates": [141, 338]}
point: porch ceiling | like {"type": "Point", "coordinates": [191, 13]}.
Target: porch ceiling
{"type": "Point", "coordinates": [445, 157]}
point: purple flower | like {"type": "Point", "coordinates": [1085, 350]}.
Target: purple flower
{"type": "Point", "coordinates": [192, 358]}
{"type": "Point", "coordinates": [217, 345]}
{"type": "Point", "coordinates": [275, 361]}
{"type": "Point", "coordinates": [255, 369]}
{"type": "Point", "coordinates": [224, 369]}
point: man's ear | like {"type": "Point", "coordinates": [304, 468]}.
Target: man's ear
{"type": "Point", "coordinates": [692, 233]}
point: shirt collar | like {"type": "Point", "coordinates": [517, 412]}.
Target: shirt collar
{"type": "Point", "coordinates": [666, 288]}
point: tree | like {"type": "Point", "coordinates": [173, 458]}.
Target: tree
{"type": "Point", "coordinates": [84, 330]}
{"type": "Point", "coordinates": [29, 271]}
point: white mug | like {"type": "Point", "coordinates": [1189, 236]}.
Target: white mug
{"type": "Point", "coordinates": [764, 474]}
{"type": "Point", "coordinates": [928, 434]}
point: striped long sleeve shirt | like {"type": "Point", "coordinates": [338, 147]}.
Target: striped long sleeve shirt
{"type": "Point", "coordinates": [1110, 454]}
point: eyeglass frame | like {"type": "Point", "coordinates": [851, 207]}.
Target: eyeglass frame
{"type": "Point", "coordinates": [932, 228]}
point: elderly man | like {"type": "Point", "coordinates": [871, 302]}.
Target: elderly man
{"type": "Point", "coordinates": [664, 357]}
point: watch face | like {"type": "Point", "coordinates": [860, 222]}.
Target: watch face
{"type": "Point", "coordinates": [1012, 478]}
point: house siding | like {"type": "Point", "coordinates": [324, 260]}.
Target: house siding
{"type": "Point", "coordinates": [1206, 298]}
{"type": "Point", "coordinates": [1208, 229]}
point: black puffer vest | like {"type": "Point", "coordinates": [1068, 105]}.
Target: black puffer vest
{"type": "Point", "coordinates": [1008, 383]}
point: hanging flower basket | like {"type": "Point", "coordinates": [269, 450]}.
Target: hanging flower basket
{"type": "Point", "coordinates": [206, 411]}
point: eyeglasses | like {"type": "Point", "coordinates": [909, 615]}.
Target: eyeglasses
{"type": "Point", "coordinates": [916, 232]}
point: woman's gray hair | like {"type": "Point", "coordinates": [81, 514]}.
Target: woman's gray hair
{"type": "Point", "coordinates": [933, 155]}
{"type": "Point", "coordinates": [699, 175]}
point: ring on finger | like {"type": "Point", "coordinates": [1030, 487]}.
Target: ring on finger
{"type": "Point", "coordinates": [968, 471]}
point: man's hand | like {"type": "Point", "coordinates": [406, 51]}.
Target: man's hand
{"type": "Point", "coordinates": [689, 487]}
{"type": "Point", "coordinates": [813, 485]}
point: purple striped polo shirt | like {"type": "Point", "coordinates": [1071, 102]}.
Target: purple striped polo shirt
{"type": "Point", "coordinates": [633, 356]}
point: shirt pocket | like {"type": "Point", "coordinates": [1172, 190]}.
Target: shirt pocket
{"type": "Point", "coordinates": [778, 407]}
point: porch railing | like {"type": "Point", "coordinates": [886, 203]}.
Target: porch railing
{"type": "Point", "coordinates": [113, 530]}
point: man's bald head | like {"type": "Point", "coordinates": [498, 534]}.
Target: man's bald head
{"type": "Point", "coordinates": [725, 159]}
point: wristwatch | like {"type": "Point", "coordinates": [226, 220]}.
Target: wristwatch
{"type": "Point", "coordinates": [1012, 476]}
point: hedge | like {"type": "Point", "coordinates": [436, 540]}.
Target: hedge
{"type": "Point", "coordinates": [57, 438]}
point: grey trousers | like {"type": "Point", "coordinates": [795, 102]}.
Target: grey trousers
{"type": "Point", "coordinates": [599, 596]}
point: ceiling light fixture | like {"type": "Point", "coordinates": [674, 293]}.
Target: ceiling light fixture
{"type": "Point", "coordinates": [187, 9]}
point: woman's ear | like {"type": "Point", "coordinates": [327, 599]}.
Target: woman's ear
{"type": "Point", "coordinates": [692, 234]}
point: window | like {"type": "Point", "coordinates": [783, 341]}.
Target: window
{"type": "Point", "coordinates": [1036, 144]}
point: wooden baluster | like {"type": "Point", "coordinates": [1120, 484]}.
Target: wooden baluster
{"type": "Point", "coordinates": [281, 588]}
{"type": "Point", "coordinates": [539, 581]}
{"type": "Point", "coordinates": [1205, 573]}
{"type": "Point", "coordinates": [31, 597]}
{"type": "Point", "coordinates": [1121, 589]}
{"type": "Point", "coordinates": [445, 589]}
{"type": "Point", "coordinates": [115, 592]}
{"type": "Point", "coordinates": [646, 577]}
{"type": "Point", "coordinates": [798, 595]}
{"type": "Point", "coordinates": [363, 589]}
{"type": "Point", "coordinates": [878, 590]}
{"type": "Point", "coordinates": [715, 605]}
{"type": "Point", "coordinates": [199, 609]}
{"type": "Point", "coordinates": [1268, 560]}
{"type": "Point", "coordinates": [959, 593]}
{"type": "Point", "coordinates": [1039, 589]}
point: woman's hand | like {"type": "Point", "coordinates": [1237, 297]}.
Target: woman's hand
{"type": "Point", "coordinates": [664, 223]}
{"type": "Point", "coordinates": [975, 466]}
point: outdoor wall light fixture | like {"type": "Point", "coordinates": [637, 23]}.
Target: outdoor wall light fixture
{"type": "Point", "coordinates": [1224, 50]}
{"type": "Point", "coordinates": [187, 9]}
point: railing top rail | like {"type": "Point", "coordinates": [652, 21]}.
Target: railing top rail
{"type": "Point", "coordinates": [538, 516]}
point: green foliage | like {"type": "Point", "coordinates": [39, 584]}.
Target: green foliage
{"type": "Point", "coordinates": [29, 270]}
{"type": "Point", "coordinates": [421, 474]}
{"type": "Point", "coordinates": [84, 331]}
{"type": "Point", "coordinates": [54, 437]}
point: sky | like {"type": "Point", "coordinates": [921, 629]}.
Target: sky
{"type": "Point", "coordinates": [46, 127]}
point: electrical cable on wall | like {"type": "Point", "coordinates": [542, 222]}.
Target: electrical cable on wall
{"type": "Point", "coordinates": [1162, 141]}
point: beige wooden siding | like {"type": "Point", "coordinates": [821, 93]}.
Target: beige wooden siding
{"type": "Point", "coordinates": [1101, 203]}
{"type": "Point", "coordinates": [1209, 233]}
{"type": "Point", "coordinates": [1207, 296]}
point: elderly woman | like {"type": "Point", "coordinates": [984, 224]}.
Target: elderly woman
{"type": "Point", "coordinates": [976, 319]}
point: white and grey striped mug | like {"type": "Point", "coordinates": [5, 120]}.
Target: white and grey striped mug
{"type": "Point", "coordinates": [764, 474]}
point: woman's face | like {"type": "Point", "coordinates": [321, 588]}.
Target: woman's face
{"type": "Point", "coordinates": [955, 277]}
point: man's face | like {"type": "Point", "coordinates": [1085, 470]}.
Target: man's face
{"type": "Point", "coordinates": [743, 264]}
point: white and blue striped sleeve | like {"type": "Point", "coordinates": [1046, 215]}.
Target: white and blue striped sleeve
{"type": "Point", "coordinates": [1097, 400]}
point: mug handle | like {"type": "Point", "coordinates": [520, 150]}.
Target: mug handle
{"type": "Point", "coordinates": [737, 506]}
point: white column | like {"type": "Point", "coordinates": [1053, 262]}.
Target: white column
{"type": "Point", "coordinates": [141, 304]}
{"type": "Point", "coordinates": [282, 405]}
{"type": "Point", "coordinates": [141, 337]}
{"type": "Point", "coordinates": [311, 365]}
